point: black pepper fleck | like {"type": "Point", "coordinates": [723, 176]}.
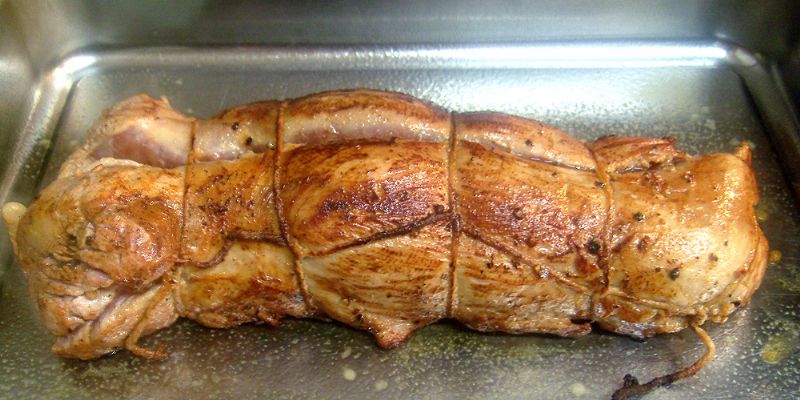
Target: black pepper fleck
{"type": "Point", "coordinates": [599, 184]}
{"type": "Point", "coordinates": [638, 216]}
{"type": "Point", "coordinates": [248, 141]}
{"type": "Point", "coordinates": [593, 246]}
{"type": "Point", "coordinates": [235, 126]}
{"type": "Point", "coordinates": [674, 273]}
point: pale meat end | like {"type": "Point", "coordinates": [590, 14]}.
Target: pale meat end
{"type": "Point", "coordinates": [12, 214]}
{"type": "Point", "coordinates": [140, 129]}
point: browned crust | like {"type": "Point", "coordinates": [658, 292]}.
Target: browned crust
{"type": "Point", "coordinates": [340, 100]}
{"type": "Point", "coordinates": [259, 110]}
{"type": "Point", "coordinates": [523, 137]}
{"type": "Point", "coordinates": [624, 154]}
{"type": "Point", "coordinates": [403, 230]}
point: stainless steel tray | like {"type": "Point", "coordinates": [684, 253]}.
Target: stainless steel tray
{"type": "Point", "coordinates": [709, 95]}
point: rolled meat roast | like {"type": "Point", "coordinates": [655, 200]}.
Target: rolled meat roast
{"type": "Point", "coordinates": [386, 213]}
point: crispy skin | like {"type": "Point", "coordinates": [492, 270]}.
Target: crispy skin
{"type": "Point", "coordinates": [386, 213]}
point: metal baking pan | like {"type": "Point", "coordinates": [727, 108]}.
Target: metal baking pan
{"type": "Point", "coordinates": [709, 94]}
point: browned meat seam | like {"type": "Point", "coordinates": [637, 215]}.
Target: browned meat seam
{"type": "Point", "coordinates": [284, 229]}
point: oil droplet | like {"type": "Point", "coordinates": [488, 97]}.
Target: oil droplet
{"type": "Point", "coordinates": [381, 385]}
{"type": "Point", "coordinates": [348, 373]}
{"type": "Point", "coordinates": [778, 347]}
{"type": "Point", "coordinates": [761, 215]}
{"type": "Point", "coordinates": [44, 142]}
{"type": "Point", "coordinates": [346, 352]}
{"type": "Point", "coordinates": [578, 389]}
{"type": "Point", "coordinates": [775, 256]}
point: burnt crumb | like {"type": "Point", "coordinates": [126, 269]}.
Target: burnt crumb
{"type": "Point", "coordinates": [248, 141]}
{"type": "Point", "coordinates": [554, 174]}
{"type": "Point", "coordinates": [528, 143]}
{"type": "Point", "coordinates": [674, 273]}
{"type": "Point", "coordinates": [438, 209]}
{"type": "Point", "coordinates": [642, 244]}
{"type": "Point", "coordinates": [629, 381]}
{"type": "Point", "coordinates": [736, 303]}
{"type": "Point", "coordinates": [490, 264]}
{"type": "Point", "coordinates": [599, 184]}
{"type": "Point", "coordinates": [235, 126]}
{"type": "Point", "coordinates": [713, 257]}
{"type": "Point", "coordinates": [517, 214]}
{"type": "Point", "coordinates": [593, 246]}
{"type": "Point", "coordinates": [638, 216]}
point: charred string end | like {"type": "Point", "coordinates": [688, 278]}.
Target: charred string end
{"type": "Point", "coordinates": [131, 342]}
{"type": "Point", "coordinates": [157, 354]}
{"type": "Point", "coordinates": [631, 388]}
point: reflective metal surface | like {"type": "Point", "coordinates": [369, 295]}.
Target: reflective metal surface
{"type": "Point", "coordinates": [709, 95]}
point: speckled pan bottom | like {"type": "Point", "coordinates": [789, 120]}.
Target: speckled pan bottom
{"type": "Point", "coordinates": [705, 99]}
